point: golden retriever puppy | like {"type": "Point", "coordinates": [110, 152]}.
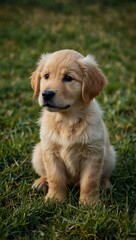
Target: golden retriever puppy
{"type": "Point", "coordinates": [74, 146]}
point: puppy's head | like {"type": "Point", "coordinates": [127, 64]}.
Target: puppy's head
{"type": "Point", "coordinates": [65, 79]}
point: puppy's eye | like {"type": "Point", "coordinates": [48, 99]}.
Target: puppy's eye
{"type": "Point", "coordinates": [67, 78]}
{"type": "Point", "coordinates": [46, 76]}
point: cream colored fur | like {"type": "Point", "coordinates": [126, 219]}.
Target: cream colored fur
{"type": "Point", "coordinates": [74, 146]}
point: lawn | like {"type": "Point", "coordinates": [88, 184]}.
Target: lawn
{"type": "Point", "coordinates": [105, 29]}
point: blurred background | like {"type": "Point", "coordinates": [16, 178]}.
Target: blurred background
{"type": "Point", "coordinates": [104, 28]}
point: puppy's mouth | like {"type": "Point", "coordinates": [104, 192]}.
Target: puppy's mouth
{"type": "Point", "coordinates": [48, 105]}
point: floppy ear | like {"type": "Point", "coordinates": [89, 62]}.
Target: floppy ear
{"type": "Point", "coordinates": [36, 75]}
{"type": "Point", "coordinates": [93, 79]}
{"type": "Point", "coordinates": [35, 83]}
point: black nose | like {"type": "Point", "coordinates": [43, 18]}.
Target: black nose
{"type": "Point", "coordinates": [48, 95]}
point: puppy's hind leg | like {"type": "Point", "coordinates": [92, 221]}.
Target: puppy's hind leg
{"type": "Point", "coordinates": [108, 166]}
{"type": "Point", "coordinates": [38, 165]}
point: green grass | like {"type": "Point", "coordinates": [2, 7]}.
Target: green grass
{"type": "Point", "coordinates": [107, 31]}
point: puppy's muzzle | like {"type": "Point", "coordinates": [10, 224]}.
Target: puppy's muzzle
{"type": "Point", "coordinates": [48, 95]}
{"type": "Point", "coordinates": [48, 100]}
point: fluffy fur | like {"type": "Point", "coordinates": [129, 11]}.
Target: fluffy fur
{"type": "Point", "coordinates": [74, 146]}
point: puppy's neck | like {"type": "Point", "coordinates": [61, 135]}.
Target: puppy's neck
{"type": "Point", "coordinates": [74, 114]}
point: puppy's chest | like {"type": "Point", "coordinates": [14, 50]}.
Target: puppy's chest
{"type": "Point", "coordinates": [64, 134]}
{"type": "Point", "coordinates": [67, 142]}
{"type": "Point", "coordinates": [73, 158]}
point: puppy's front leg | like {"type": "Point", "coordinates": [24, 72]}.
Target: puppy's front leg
{"type": "Point", "coordinates": [90, 180]}
{"type": "Point", "coordinates": [56, 178]}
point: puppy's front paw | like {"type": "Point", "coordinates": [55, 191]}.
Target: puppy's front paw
{"type": "Point", "coordinates": [89, 200]}
{"type": "Point", "coordinates": [40, 184]}
{"type": "Point", "coordinates": [55, 197]}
